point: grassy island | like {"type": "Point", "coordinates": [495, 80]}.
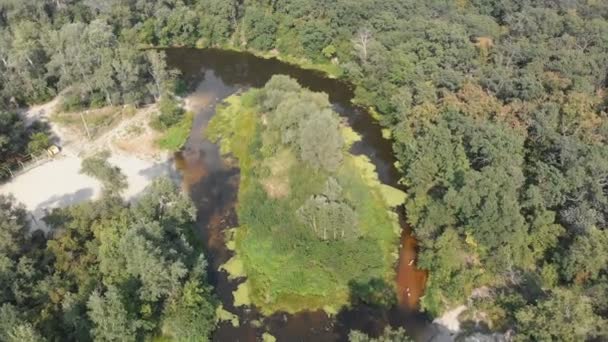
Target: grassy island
{"type": "Point", "coordinates": [314, 219]}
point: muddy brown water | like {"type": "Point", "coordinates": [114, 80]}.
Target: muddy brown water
{"type": "Point", "coordinates": [212, 183]}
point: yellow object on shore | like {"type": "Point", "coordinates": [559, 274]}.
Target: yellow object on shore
{"type": "Point", "coordinates": [53, 150]}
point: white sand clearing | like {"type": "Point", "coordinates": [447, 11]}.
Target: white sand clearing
{"type": "Point", "coordinates": [59, 183]}
{"type": "Point", "coordinates": [54, 184]}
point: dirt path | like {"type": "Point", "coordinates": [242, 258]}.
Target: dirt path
{"type": "Point", "coordinates": [450, 319]}
{"type": "Point", "coordinates": [58, 183]}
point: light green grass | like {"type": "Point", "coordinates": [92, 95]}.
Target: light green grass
{"type": "Point", "coordinates": [234, 267]}
{"type": "Point", "coordinates": [222, 314]}
{"type": "Point", "coordinates": [176, 136]}
{"type": "Point", "coordinates": [349, 135]}
{"type": "Point", "coordinates": [330, 69]}
{"type": "Point", "coordinates": [267, 337]}
{"type": "Point", "coordinates": [242, 295]}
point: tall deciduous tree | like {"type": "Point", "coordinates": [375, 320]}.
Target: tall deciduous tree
{"type": "Point", "coordinates": [112, 321]}
{"type": "Point", "coordinates": [565, 316]}
{"type": "Point", "coordinates": [161, 76]}
{"type": "Point", "coordinates": [320, 141]}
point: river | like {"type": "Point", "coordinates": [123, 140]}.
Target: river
{"type": "Point", "coordinates": [214, 75]}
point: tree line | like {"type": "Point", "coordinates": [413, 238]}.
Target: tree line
{"type": "Point", "coordinates": [74, 47]}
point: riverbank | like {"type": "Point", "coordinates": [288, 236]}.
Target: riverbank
{"type": "Point", "coordinates": [331, 69]}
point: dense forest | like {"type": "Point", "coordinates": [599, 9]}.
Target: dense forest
{"type": "Point", "coordinates": [497, 111]}
{"type": "Point", "coordinates": [109, 271]}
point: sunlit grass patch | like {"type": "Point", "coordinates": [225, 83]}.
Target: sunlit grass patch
{"type": "Point", "coordinates": [98, 120]}
{"type": "Point", "coordinates": [234, 268]}
{"type": "Point", "coordinates": [349, 135]}
{"type": "Point", "coordinates": [222, 314]}
{"type": "Point", "coordinates": [176, 136]}
{"type": "Point", "coordinates": [267, 337]}
{"type": "Point", "coordinates": [241, 295]}
{"type": "Point", "coordinates": [277, 182]}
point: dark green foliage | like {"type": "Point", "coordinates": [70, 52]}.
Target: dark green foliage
{"type": "Point", "coordinates": [170, 113]}
{"type": "Point", "coordinates": [39, 143]}
{"type": "Point", "coordinates": [191, 314]}
{"type": "Point", "coordinates": [109, 272]}
{"type": "Point", "coordinates": [97, 166]}
{"type": "Point", "coordinates": [218, 20]}
{"type": "Point", "coordinates": [178, 26]}
{"type": "Point", "coordinates": [565, 316]}
{"type": "Point", "coordinates": [315, 37]}
{"type": "Point", "coordinates": [96, 58]}
{"type": "Point", "coordinates": [260, 29]}
{"type": "Point", "coordinates": [112, 321]}
{"type": "Point", "coordinates": [375, 292]}
{"type": "Point", "coordinates": [588, 255]}
{"type": "Point", "coordinates": [18, 141]}
{"type": "Point", "coordinates": [14, 329]}
{"type": "Point", "coordinates": [13, 140]}
{"type": "Point", "coordinates": [13, 223]}
{"type": "Point", "coordinates": [179, 87]}
{"type": "Point", "coordinates": [12, 130]}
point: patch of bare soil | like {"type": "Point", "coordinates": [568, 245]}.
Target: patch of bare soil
{"type": "Point", "coordinates": [136, 137]}
{"type": "Point", "coordinates": [142, 144]}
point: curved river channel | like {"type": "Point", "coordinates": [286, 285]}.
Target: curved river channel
{"type": "Point", "coordinates": [216, 74]}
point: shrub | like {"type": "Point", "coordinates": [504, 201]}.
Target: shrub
{"type": "Point", "coordinates": [177, 135]}
{"type": "Point", "coordinates": [38, 143]}
{"type": "Point", "coordinates": [170, 113]}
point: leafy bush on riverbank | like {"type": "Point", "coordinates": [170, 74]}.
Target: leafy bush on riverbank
{"type": "Point", "coordinates": [289, 266]}
{"type": "Point", "coordinates": [173, 122]}
{"type": "Point", "coordinates": [176, 136]}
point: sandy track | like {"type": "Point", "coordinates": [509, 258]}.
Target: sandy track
{"type": "Point", "coordinates": [450, 319]}
{"type": "Point", "coordinates": [59, 183]}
